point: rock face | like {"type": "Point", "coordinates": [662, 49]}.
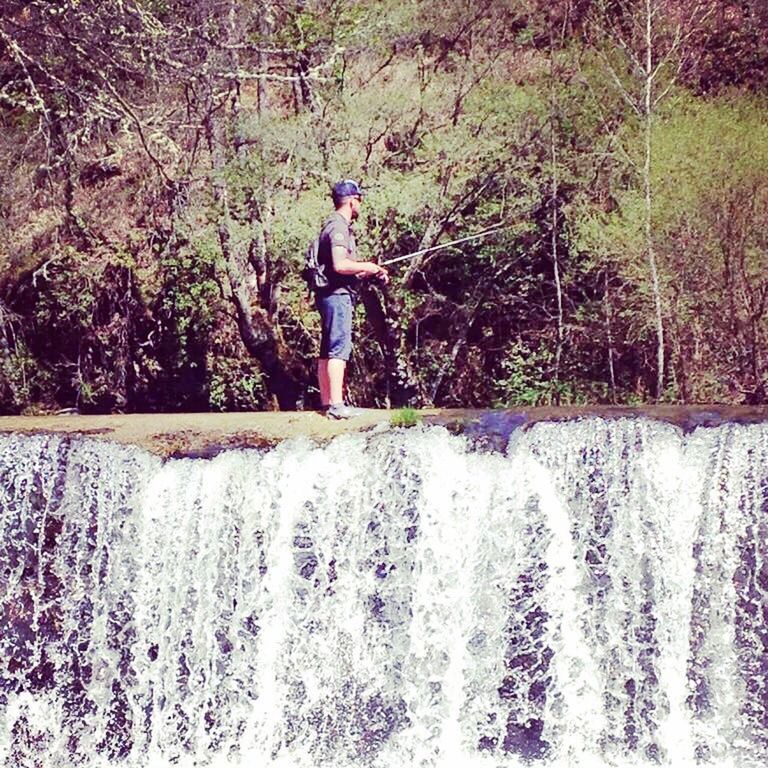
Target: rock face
{"type": "Point", "coordinates": [198, 435]}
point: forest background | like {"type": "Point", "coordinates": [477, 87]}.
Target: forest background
{"type": "Point", "coordinates": [164, 165]}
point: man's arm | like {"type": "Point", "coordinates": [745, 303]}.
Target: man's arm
{"type": "Point", "coordinates": [343, 265]}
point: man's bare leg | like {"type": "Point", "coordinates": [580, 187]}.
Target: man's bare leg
{"type": "Point", "coordinates": [336, 370]}
{"type": "Point", "coordinates": [324, 382]}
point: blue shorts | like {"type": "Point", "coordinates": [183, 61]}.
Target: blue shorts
{"type": "Point", "coordinates": [336, 321]}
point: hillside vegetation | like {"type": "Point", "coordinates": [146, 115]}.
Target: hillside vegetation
{"type": "Point", "coordinates": [164, 165]}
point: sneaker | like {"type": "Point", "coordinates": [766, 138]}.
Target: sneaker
{"type": "Point", "coordinates": [342, 411]}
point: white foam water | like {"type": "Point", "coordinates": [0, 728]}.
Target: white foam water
{"type": "Point", "coordinates": [597, 596]}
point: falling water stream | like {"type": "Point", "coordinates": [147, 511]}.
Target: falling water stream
{"type": "Point", "coordinates": [595, 596]}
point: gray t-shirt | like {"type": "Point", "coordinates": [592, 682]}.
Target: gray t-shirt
{"type": "Point", "coordinates": [337, 232]}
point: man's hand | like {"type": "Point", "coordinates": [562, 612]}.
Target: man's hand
{"type": "Point", "coordinates": [374, 271]}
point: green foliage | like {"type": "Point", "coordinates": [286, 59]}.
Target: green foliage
{"type": "Point", "coordinates": [405, 417]}
{"type": "Point", "coordinates": [234, 384]}
{"type": "Point", "coordinates": [710, 201]}
{"type": "Point", "coordinates": [186, 309]}
{"type": "Point", "coordinates": [79, 316]}
{"type": "Point", "coordinates": [21, 379]}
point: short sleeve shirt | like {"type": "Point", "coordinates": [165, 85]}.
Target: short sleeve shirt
{"type": "Point", "coordinates": [337, 232]}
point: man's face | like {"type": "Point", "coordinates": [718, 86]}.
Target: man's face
{"type": "Point", "coordinates": [355, 203]}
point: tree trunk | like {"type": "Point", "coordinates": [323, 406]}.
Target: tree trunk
{"type": "Point", "coordinates": [381, 313]}
{"type": "Point", "coordinates": [554, 218]}
{"type": "Point", "coordinates": [253, 323]}
{"type": "Point", "coordinates": [648, 115]}
{"type": "Point", "coordinates": [610, 351]}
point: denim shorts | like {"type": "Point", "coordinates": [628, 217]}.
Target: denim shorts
{"type": "Point", "coordinates": [336, 321]}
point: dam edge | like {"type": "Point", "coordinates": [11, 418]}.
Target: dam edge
{"type": "Point", "coordinates": [204, 435]}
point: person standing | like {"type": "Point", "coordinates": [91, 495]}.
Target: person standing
{"type": "Point", "coordinates": [338, 254]}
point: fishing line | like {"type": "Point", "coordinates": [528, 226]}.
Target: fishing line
{"type": "Point", "coordinates": [477, 235]}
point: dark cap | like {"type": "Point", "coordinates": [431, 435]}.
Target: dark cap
{"type": "Point", "coordinates": [346, 188]}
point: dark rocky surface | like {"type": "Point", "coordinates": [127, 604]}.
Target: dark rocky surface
{"type": "Point", "coordinates": [491, 429]}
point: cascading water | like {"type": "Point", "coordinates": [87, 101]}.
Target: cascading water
{"type": "Point", "coordinates": [596, 596]}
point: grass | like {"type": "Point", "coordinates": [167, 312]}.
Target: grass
{"type": "Point", "coordinates": [405, 417]}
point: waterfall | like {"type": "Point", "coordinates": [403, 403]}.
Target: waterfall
{"type": "Point", "coordinates": [597, 595]}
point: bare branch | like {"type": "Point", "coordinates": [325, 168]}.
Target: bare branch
{"type": "Point", "coordinates": [623, 92]}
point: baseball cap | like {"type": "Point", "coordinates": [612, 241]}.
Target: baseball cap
{"type": "Point", "coordinates": [346, 188]}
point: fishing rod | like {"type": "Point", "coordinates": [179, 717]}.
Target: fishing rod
{"type": "Point", "coordinates": [477, 235]}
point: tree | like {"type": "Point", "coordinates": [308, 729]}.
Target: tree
{"type": "Point", "coordinates": [653, 49]}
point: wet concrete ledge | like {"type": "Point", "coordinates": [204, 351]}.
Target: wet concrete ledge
{"type": "Point", "coordinates": [174, 435]}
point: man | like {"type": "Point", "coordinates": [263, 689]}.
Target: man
{"type": "Point", "coordinates": [338, 252]}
